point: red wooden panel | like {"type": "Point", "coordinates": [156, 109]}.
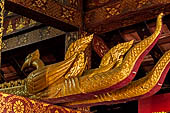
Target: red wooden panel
{"type": "Point", "coordinates": [158, 103]}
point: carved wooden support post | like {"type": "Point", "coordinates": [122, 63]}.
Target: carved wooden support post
{"type": "Point", "coordinates": [1, 25]}
{"type": "Point", "coordinates": [1, 34]}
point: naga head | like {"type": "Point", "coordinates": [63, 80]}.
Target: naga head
{"type": "Point", "coordinates": [122, 48]}
{"type": "Point", "coordinates": [115, 53]}
{"type": "Point", "coordinates": [31, 58]}
{"type": "Point", "coordinates": [78, 46]}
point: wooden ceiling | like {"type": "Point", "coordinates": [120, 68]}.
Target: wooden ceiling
{"type": "Point", "coordinates": [97, 16]}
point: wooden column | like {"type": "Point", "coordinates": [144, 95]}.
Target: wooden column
{"type": "Point", "coordinates": [1, 34]}
{"type": "Point", "coordinates": [1, 24]}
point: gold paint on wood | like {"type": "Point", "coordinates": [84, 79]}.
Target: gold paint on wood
{"type": "Point", "coordinates": [20, 23]}
{"type": "Point", "coordinates": [2, 6]}
{"type": "Point", "coordinates": [30, 37]}
{"type": "Point", "coordinates": [52, 9]}
{"type": "Point", "coordinates": [78, 46]}
{"type": "Point", "coordinates": [78, 67]}
{"type": "Point", "coordinates": [113, 58]}
{"type": "Point", "coordinates": [135, 88]}
{"type": "Point", "coordinates": [104, 80]}
{"type": "Point", "coordinates": [50, 82]}
{"type": "Point", "coordinates": [114, 54]}
{"type": "Point", "coordinates": [9, 28]}
{"type": "Point", "coordinates": [39, 3]}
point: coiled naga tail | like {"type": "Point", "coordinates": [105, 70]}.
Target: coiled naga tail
{"type": "Point", "coordinates": [86, 87]}
{"type": "Point", "coordinates": [141, 88]}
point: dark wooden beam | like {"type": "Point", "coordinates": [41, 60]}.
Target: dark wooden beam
{"type": "Point", "coordinates": [17, 67]}
{"type": "Point", "coordinates": [49, 12]}
{"type": "Point", "coordinates": [112, 38]}
{"type": "Point", "coordinates": [28, 37]}
{"type": "Point", "coordinates": [143, 32]}
{"type": "Point", "coordinates": [122, 13]}
{"type": "Point", "coordinates": [164, 40]}
{"type": "Point", "coordinates": [167, 21]}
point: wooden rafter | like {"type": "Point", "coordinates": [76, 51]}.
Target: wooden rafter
{"type": "Point", "coordinates": [122, 13]}
{"type": "Point", "coordinates": [143, 32]}
{"type": "Point", "coordinates": [50, 12]}
{"type": "Point", "coordinates": [17, 67]}
{"type": "Point", "coordinates": [30, 37]}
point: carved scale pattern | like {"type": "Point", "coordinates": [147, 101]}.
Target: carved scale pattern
{"type": "Point", "coordinates": [134, 89]}
{"type": "Point", "coordinates": [112, 77]}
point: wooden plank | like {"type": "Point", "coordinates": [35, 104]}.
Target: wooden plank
{"type": "Point", "coordinates": [122, 13]}
{"type": "Point", "coordinates": [49, 12]}
{"type": "Point", "coordinates": [18, 23]}
{"type": "Point", "coordinates": [143, 32]}
{"type": "Point", "coordinates": [93, 4]}
{"type": "Point", "coordinates": [164, 40]}
{"type": "Point", "coordinates": [30, 38]}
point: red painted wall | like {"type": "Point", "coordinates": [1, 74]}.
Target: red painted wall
{"type": "Point", "coordinates": [157, 103]}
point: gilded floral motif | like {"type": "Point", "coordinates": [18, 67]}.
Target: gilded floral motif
{"type": "Point", "coordinates": [9, 28]}
{"type": "Point", "coordinates": [19, 104]}
{"type": "Point", "coordinates": [18, 107]}
{"type": "Point", "coordinates": [22, 40]}
{"type": "Point", "coordinates": [67, 14]}
{"type": "Point", "coordinates": [142, 3]}
{"type": "Point", "coordinates": [112, 11]}
{"type": "Point", "coordinates": [74, 3]}
{"type": "Point", "coordinates": [4, 46]}
{"type": "Point", "coordinates": [4, 105]}
{"type": "Point", "coordinates": [21, 22]}
{"type": "Point", "coordinates": [39, 3]}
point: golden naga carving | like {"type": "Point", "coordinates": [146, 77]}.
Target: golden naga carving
{"type": "Point", "coordinates": [50, 74]}
{"type": "Point", "coordinates": [141, 88]}
{"type": "Point", "coordinates": [85, 86]}
{"type": "Point", "coordinates": [113, 58]}
{"type": "Point", "coordinates": [34, 60]}
{"type": "Point", "coordinates": [67, 81]}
